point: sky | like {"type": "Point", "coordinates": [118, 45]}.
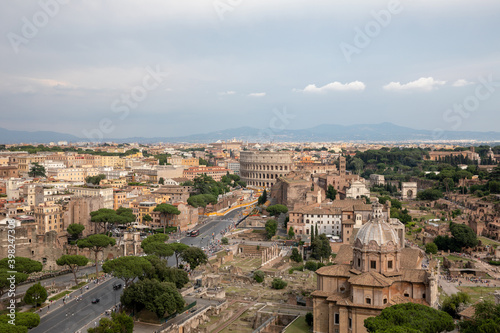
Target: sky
{"type": "Point", "coordinates": [153, 68]}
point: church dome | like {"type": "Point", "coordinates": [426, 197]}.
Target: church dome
{"type": "Point", "coordinates": [377, 229]}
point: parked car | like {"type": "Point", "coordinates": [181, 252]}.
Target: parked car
{"type": "Point", "coordinates": [95, 300]}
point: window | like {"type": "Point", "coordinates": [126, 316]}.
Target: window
{"type": "Point", "coordinates": [373, 264]}
{"type": "Point", "coordinates": [389, 264]}
{"type": "Point", "coordinates": [350, 323]}
{"type": "Point", "coordinates": [407, 295]}
{"type": "Point", "coordinates": [368, 300]}
{"type": "Point", "coordinates": [423, 296]}
{"type": "Point", "coordinates": [385, 300]}
{"type": "Point", "coordinates": [359, 262]}
{"type": "Point", "coordinates": [336, 319]}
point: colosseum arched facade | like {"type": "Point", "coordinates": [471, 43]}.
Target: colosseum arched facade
{"type": "Point", "coordinates": [263, 168]}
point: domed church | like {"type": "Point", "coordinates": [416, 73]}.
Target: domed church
{"type": "Point", "coordinates": [375, 272]}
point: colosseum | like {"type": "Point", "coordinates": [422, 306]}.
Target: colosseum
{"type": "Point", "coordinates": [263, 168]}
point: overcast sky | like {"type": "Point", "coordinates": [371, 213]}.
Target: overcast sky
{"type": "Point", "coordinates": [176, 67]}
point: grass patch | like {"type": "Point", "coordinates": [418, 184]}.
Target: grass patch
{"type": "Point", "coordinates": [456, 258]}
{"type": "Point", "coordinates": [78, 286]}
{"type": "Point", "coordinates": [60, 295]}
{"type": "Point", "coordinates": [487, 241]}
{"type": "Point", "coordinates": [298, 326]}
{"type": "Point", "coordinates": [476, 293]}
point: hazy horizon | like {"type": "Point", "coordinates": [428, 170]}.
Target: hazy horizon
{"type": "Point", "coordinates": [167, 68]}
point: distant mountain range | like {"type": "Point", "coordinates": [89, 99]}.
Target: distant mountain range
{"type": "Point", "coordinates": [383, 132]}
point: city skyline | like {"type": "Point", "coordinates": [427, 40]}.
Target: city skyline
{"type": "Point", "coordinates": [165, 69]}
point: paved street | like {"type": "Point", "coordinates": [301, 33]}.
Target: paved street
{"type": "Point", "coordinates": [74, 315]}
{"type": "Point", "coordinates": [66, 280]}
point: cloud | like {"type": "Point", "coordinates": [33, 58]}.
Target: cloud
{"type": "Point", "coordinates": [334, 86]}
{"type": "Point", "coordinates": [424, 83]}
{"type": "Point", "coordinates": [229, 92]}
{"type": "Point", "coordinates": [462, 83]}
{"type": "Point", "coordinates": [262, 94]}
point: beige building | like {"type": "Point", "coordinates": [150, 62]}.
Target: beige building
{"type": "Point", "coordinates": [215, 172]}
{"type": "Point", "coordinates": [106, 194]}
{"type": "Point", "coordinates": [49, 217]}
{"type": "Point", "coordinates": [25, 162]}
{"type": "Point", "coordinates": [372, 274]}
{"type": "Point", "coordinates": [263, 168]}
{"type": "Point", "coordinates": [72, 174]}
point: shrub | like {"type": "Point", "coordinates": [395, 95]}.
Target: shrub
{"type": "Point", "coordinates": [431, 248]}
{"type": "Point", "coordinates": [278, 283]}
{"type": "Point", "coordinates": [258, 276]}
{"type": "Point", "coordinates": [311, 265]}
{"type": "Point", "coordinates": [296, 255]}
{"type": "Point", "coordinates": [309, 319]}
{"type": "Point", "coordinates": [224, 240]}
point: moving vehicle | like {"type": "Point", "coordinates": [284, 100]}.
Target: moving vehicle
{"type": "Point", "coordinates": [95, 300]}
{"type": "Point", "coordinates": [117, 286]}
{"type": "Point", "coordinates": [193, 233]}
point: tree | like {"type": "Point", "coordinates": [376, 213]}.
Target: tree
{"type": "Point", "coordinates": [22, 265]}
{"type": "Point", "coordinates": [455, 303]}
{"type": "Point", "coordinates": [165, 211]}
{"type": "Point", "coordinates": [119, 323]}
{"type": "Point", "coordinates": [178, 248]}
{"type": "Point", "coordinates": [262, 199]}
{"type": "Point", "coordinates": [296, 256]}
{"type": "Point", "coordinates": [162, 298]}
{"type": "Point", "coordinates": [276, 210]}
{"type": "Point", "coordinates": [161, 272]}
{"type": "Point", "coordinates": [147, 218]}
{"type": "Point", "coordinates": [6, 279]}
{"type": "Point", "coordinates": [331, 192]}
{"type": "Point", "coordinates": [194, 256]}
{"type": "Point", "coordinates": [463, 235]}
{"type": "Point", "coordinates": [407, 316]}
{"type": "Point", "coordinates": [35, 295]}
{"type": "Point", "coordinates": [309, 319]}
{"type": "Point", "coordinates": [291, 233]}
{"type": "Point", "coordinates": [162, 238]}
{"type": "Point", "coordinates": [429, 194]}
{"type": "Point", "coordinates": [159, 249]}
{"type": "Point", "coordinates": [73, 262]}
{"type": "Point", "coordinates": [278, 283]}
{"type": "Point", "coordinates": [102, 217]}
{"type": "Point", "coordinates": [127, 268]}
{"type": "Point", "coordinates": [224, 240]}
{"type": "Point", "coordinates": [75, 229]}
{"type": "Point", "coordinates": [431, 248]}
{"type": "Point", "coordinates": [486, 319]}
{"type": "Point", "coordinates": [320, 248]}
{"type": "Point", "coordinates": [161, 181]}
{"type": "Point", "coordinates": [311, 265]}
{"type": "Point", "coordinates": [96, 244]}
{"type": "Point", "coordinates": [95, 180]}
{"type": "Point", "coordinates": [23, 321]}
{"type": "Point", "coordinates": [259, 276]}
{"type": "Point", "coordinates": [271, 228]}
{"type": "Point", "coordinates": [37, 170]}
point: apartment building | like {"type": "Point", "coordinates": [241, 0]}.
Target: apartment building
{"type": "Point", "coordinates": [49, 217]}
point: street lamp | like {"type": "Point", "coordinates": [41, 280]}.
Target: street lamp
{"type": "Point", "coordinates": [36, 297]}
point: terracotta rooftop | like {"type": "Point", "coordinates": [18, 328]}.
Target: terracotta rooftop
{"type": "Point", "coordinates": [345, 255]}
{"type": "Point", "coordinates": [410, 257]}
{"type": "Point", "coordinates": [335, 270]}
{"type": "Point", "coordinates": [372, 279]}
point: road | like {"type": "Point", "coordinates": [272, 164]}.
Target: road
{"type": "Point", "coordinates": [74, 315]}
{"type": "Point", "coordinates": [66, 280]}
{"type": "Point", "coordinates": [209, 231]}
